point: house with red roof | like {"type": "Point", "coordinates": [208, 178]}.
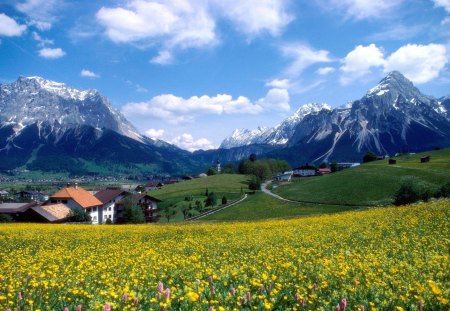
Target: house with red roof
{"type": "Point", "coordinates": [109, 198]}
{"type": "Point", "coordinates": [77, 197]}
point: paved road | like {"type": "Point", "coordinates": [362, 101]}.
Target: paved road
{"type": "Point", "coordinates": [267, 191]}
{"type": "Point", "coordinates": [217, 210]}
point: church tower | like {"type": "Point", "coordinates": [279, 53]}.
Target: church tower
{"type": "Point", "coordinates": [218, 165]}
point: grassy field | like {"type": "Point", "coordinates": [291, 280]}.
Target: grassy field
{"type": "Point", "coordinates": [370, 184]}
{"type": "Point", "coordinates": [261, 206]}
{"type": "Point", "coordinates": [377, 259]}
{"type": "Point", "coordinates": [174, 195]}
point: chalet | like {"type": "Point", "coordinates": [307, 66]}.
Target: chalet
{"type": "Point", "coordinates": [147, 203]}
{"type": "Point", "coordinates": [286, 176]}
{"type": "Point", "coordinates": [392, 161]}
{"type": "Point", "coordinates": [305, 171]}
{"type": "Point", "coordinates": [33, 212]}
{"type": "Point", "coordinates": [75, 197]}
{"type": "Point", "coordinates": [152, 185]}
{"type": "Point", "coordinates": [324, 171]}
{"type": "Point", "coordinates": [31, 195]}
{"type": "Point", "coordinates": [425, 159]}
{"type": "Point", "coordinates": [109, 199]}
{"type": "Point", "coordinates": [4, 194]}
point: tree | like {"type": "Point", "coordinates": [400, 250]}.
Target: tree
{"type": "Point", "coordinates": [369, 157]}
{"type": "Point", "coordinates": [132, 213]}
{"type": "Point", "coordinates": [229, 168]}
{"type": "Point", "coordinates": [252, 157]}
{"type": "Point", "coordinates": [187, 210]}
{"type": "Point", "coordinates": [78, 214]}
{"type": "Point", "coordinates": [211, 171]}
{"type": "Point", "coordinates": [206, 192]}
{"type": "Point", "coordinates": [224, 200]}
{"type": "Point", "coordinates": [198, 205]}
{"type": "Point", "coordinates": [323, 165]}
{"type": "Point", "coordinates": [169, 212]}
{"type": "Point", "coordinates": [211, 200]}
{"type": "Point", "coordinates": [254, 183]}
{"type": "Point", "coordinates": [444, 191]}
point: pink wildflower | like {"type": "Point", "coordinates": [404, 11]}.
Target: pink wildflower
{"type": "Point", "coordinates": [337, 308]}
{"type": "Point", "coordinates": [125, 297]}
{"type": "Point", "coordinates": [249, 296]}
{"type": "Point", "coordinates": [167, 293]}
{"type": "Point", "coordinates": [343, 304]}
{"type": "Point", "coordinates": [242, 301]}
{"type": "Point", "coordinates": [362, 307]}
{"type": "Point", "coordinates": [79, 308]}
{"type": "Point", "coordinates": [297, 297]}
{"type": "Point", "coordinates": [66, 309]}
{"type": "Point", "coordinates": [233, 291]}
{"type": "Point", "coordinates": [136, 301]}
{"type": "Point", "coordinates": [19, 296]}
{"type": "Point", "coordinates": [160, 287]}
{"type": "Point", "coordinates": [107, 307]}
{"type": "Point", "coordinates": [419, 305]}
{"type": "Point", "coordinates": [303, 301]}
{"type": "Point", "coordinates": [261, 290]}
{"type": "Point", "coordinates": [210, 279]}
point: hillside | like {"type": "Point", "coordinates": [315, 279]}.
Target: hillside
{"type": "Point", "coordinates": [372, 183]}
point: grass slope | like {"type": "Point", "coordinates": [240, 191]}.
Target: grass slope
{"type": "Point", "coordinates": [370, 184]}
{"type": "Point", "coordinates": [217, 183]}
{"type": "Point", "coordinates": [261, 206]}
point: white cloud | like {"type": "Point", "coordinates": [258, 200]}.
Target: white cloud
{"type": "Point", "coordinates": [253, 17]}
{"type": "Point", "coordinates": [445, 21]}
{"type": "Point", "coordinates": [171, 24]}
{"type": "Point", "coordinates": [42, 41]}
{"type": "Point", "coordinates": [163, 58]}
{"type": "Point", "coordinates": [443, 3]}
{"type": "Point", "coordinates": [176, 110]}
{"type": "Point", "coordinates": [51, 53]}
{"type": "Point", "coordinates": [154, 134]}
{"type": "Point", "coordinates": [360, 61]}
{"type": "Point", "coordinates": [276, 99]}
{"type": "Point", "coordinates": [41, 12]}
{"type": "Point", "coordinates": [303, 56]}
{"type": "Point", "coordinates": [325, 71]}
{"type": "Point", "coordinates": [279, 83]}
{"type": "Point", "coordinates": [9, 27]}
{"type": "Point", "coordinates": [419, 63]}
{"type": "Point", "coordinates": [187, 141]}
{"type": "Point", "coordinates": [364, 9]}
{"type": "Point", "coordinates": [182, 24]}
{"type": "Point", "coordinates": [88, 74]}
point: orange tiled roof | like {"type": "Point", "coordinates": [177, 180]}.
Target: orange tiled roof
{"type": "Point", "coordinates": [79, 195]}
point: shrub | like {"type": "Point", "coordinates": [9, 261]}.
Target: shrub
{"type": "Point", "coordinates": [5, 218]}
{"type": "Point", "coordinates": [224, 200]}
{"type": "Point", "coordinates": [79, 215]}
{"type": "Point", "coordinates": [411, 190]}
{"type": "Point", "coordinates": [108, 221]}
{"type": "Point", "coordinates": [444, 191]}
{"type": "Point", "coordinates": [369, 157]}
{"type": "Point", "coordinates": [211, 200]}
{"type": "Point", "coordinates": [255, 183]}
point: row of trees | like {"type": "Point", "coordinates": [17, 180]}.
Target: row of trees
{"type": "Point", "coordinates": [413, 189]}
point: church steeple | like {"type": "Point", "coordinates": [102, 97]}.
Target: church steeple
{"type": "Point", "coordinates": [218, 165]}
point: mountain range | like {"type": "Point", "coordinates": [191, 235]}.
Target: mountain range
{"type": "Point", "coordinates": [394, 116]}
{"type": "Point", "coordinates": [49, 126]}
{"type": "Point", "coordinates": [46, 125]}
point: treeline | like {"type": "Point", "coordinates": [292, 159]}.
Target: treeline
{"type": "Point", "coordinates": [262, 169]}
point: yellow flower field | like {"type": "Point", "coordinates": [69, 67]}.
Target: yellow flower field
{"type": "Point", "coordinates": [379, 259]}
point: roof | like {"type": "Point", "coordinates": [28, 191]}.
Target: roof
{"type": "Point", "coordinates": [15, 207]}
{"type": "Point", "coordinates": [138, 196]}
{"type": "Point", "coordinates": [325, 170]}
{"type": "Point", "coordinates": [4, 192]}
{"type": "Point", "coordinates": [305, 167]}
{"type": "Point", "coordinates": [153, 184]}
{"type": "Point", "coordinates": [53, 212]}
{"type": "Point", "coordinates": [79, 195]}
{"type": "Point", "coordinates": [107, 195]}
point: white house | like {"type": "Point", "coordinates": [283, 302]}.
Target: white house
{"type": "Point", "coordinates": [305, 171]}
{"type": "Point", "coordinates": [109, 199]}
{"type": "Point", "coordinates": [286, 176]}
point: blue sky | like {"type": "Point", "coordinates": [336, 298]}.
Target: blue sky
{"type": "Point", "coordinates": [191, 71]}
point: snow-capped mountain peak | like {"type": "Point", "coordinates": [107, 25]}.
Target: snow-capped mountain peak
{"type": "Point", "coordinates": [34, 99]}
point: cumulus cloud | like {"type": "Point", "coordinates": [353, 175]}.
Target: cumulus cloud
{"type": "Point", "coordinates": [187, 141]}
{"type": "Point", "coordinates": [276, 99]}
{"type": "Point", "coordinates": [360, 61]}
{"type": "Point", "coordinates": [183, 24]}
{"type": "Point", "coordinates": [154, 134]}
{"type": "Point", "coordinates": [302, 57]}
{"type": "Point", "coordinates": [253, 17]}
{"type": "Point", "coordinates": [51, 53]}
{"type": "Point", "coordinates": [419, 63]}
{"type": "Point", "coordinates": [323, 71]}
{"type": "Point", "coordinates": [41, 12]}
{"type": "Point", "coordinates": [443, 4]}
{"type": "Point", "coordinates": [89, 74]}
{"type": "Point", "coordinates": [279, 83]}
{"type": "Point", "coordinates": [176, 110]}
{"type": "Point", "coordinates": [364, 9]}
{"type": "Point", "coordinates": [9, 27]}
{"type": "Point", "coordinates": [42, 42]}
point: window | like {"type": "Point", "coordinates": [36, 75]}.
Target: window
{"type": "Point", "coordinates": [64, 201]}
{"type": "Point", "coordinates": [109, 216]}
{"type": "Point", "coordinates": [94, 218]}
{"type": "Point", "coordinates": [94, 209]}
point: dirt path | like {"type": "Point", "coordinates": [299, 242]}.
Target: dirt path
{"type": "Point", "coordinates": [217, 210]}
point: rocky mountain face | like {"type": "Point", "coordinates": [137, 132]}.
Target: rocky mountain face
{"type": "Point", "coordinates": [394, 116]}
{"type": "Point", "coordinates": [46, 125]}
